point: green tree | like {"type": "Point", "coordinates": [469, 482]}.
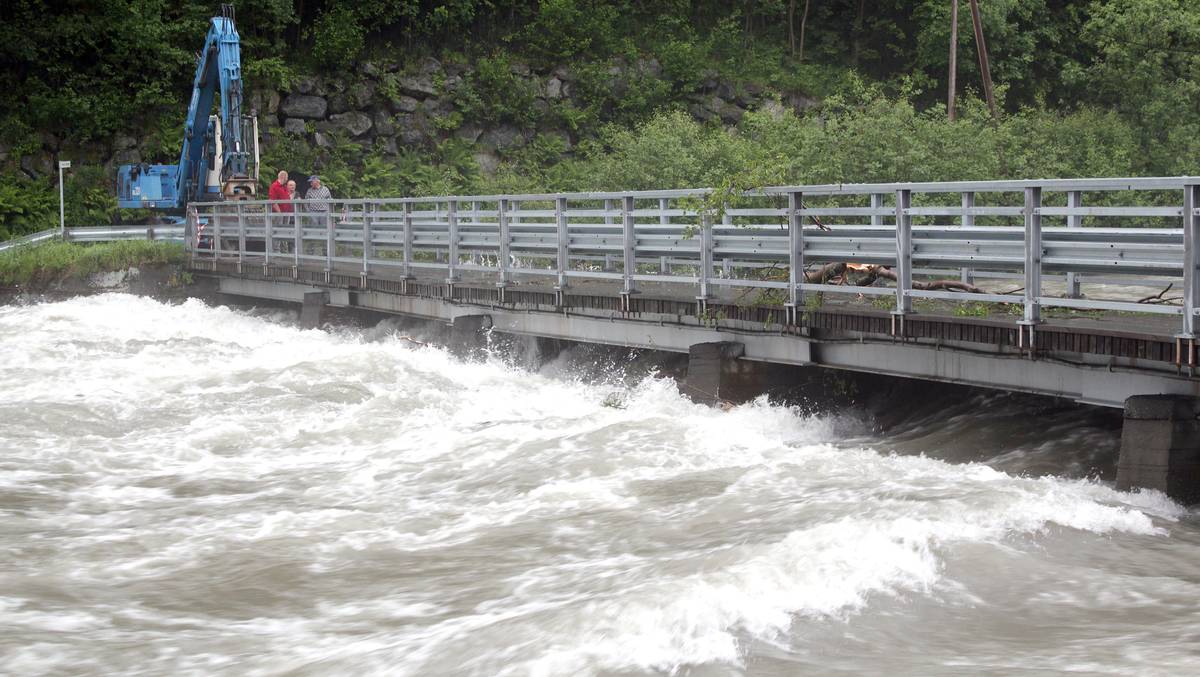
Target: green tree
{"type": "Point", "coordinates": [1148, 69]}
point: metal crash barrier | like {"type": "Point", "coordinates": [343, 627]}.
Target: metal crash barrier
{"type": "Point", "coordinates": [1078, 232]}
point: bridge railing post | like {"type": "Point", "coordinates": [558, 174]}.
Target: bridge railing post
{"type": "Point", "coordinates": [297, 238]}
{"type": "Point", "coordinates": [1033, 259]}
{"type": "Point", "coordinates": [903, 252]}
{"type": "Point", "coordinates": [293, 219]}
{"type": "Point", "coordinates": [876, 205]}
{"type": "Point", "coordinates": [406, 249]}
{"type": "Point", "coordinates": [191, 242]}
{"type": "Point", "coordinates": [562, 240]}
{"type": "Point", "coordinates": [664, 262]}
{"type": "Point", "coordinates": [217, 219]}
{"type": "Point", "coordinates": [330, 243]}
{"type": "Point", "coordinates": [608, 221]}
{"type": "Point", "coordinates": [629, 249]}
{"type": "Point", "coordinates": [452, 255]}
{"type": "Point", "coordinates": [1191, 259]}
{"type": "Point", "coordinates": [241, 221]}
{"type": "Point", "coordinates": [268, 236]}
{"type": "Point", "coordinates": [967, 275]}
{"type": "Point", "coordinates": [796, 276]}
{"type": "Point", "coordinates": [368, 246]}
{"type": "Point", "coordinates": [475, 221]}
{"type": "Point", "coordinates": [504, 243]}
{"type": "Point", "coordinates": [1074, 201]}
{"type": "Point", "coordinates": [706, 257]}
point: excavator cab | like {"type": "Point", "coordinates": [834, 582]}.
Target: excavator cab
{"type": "Point", "coordinates": [220, 183]}
{"type": "Point", "coordinates": [147, 186]}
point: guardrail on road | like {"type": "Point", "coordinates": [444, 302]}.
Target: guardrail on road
{"type": "Point", "coordinates": [114, 233]}
{"type": "Point", "coordinates": [98, 234]}
{"type": "Point", "coordinates": [31, 239]}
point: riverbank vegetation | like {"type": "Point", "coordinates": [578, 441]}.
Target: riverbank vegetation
{"type": "Point", "coordinates": [24, 267]}
{"type": "Point", "coordinates": [1092, 87]}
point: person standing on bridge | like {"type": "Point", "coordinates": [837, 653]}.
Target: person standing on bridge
{"type": "Point", "coordinates": [278, 191]}
{"type": "Point", "coordinates": [316, 201]}
{"type": "Point", "coordinates": [278, 194]}
{"type": "Point", "coordinates": [318, 196]}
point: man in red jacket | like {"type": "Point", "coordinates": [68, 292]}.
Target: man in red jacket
{"type": "Point", "coordinates": [279, 191]}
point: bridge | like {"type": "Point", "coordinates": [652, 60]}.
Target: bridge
{"type": "Point", "coordinates": [1084, 288]}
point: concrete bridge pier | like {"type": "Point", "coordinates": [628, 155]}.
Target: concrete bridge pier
{"type": "Point", "coordinates": [717, 373]}
{"type": "Point", "coordinates": [1160, 446]}
{"type": "Point", "coordinates": [468, 336]}
{"type": "Point", "coordinates": [314, 309]}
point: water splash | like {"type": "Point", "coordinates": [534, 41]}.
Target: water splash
{"type": "Point", "coordinates": [198, 489]}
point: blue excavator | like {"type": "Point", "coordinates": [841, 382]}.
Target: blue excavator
{"type": "Point", "coordinates": [220, 156]}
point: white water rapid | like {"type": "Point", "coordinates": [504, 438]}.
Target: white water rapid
{"type": "Point", "coordinates": [188, 489]}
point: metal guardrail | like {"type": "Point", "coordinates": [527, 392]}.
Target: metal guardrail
{"type": "Point", "coordinates": [98, 234]}
{"type": "Point", "coordinates": [113, 233]}
{"type": "Point", "coordinates": [1137, 230]}
{"type": "Point", "coordinates": [27, 240]}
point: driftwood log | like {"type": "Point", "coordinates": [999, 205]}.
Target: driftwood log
{"type": "Point", "coordinates": [844, 273]}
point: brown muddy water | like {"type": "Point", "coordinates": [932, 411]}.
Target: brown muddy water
{"type": "Point", "coordinates": [189, 489]}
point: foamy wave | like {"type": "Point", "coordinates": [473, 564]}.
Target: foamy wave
{"type": "Point", "coordinates": [451, 517]}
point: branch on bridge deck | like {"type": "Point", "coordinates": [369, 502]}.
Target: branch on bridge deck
{"type": "Point", "coordinates": [1160, 296]}
{"type": "Point", "coordinates": [830, 272]}
{"type": "Point", "coordinates": [932, 285]}
{"type": "Point", "coordinates": [842, 273]}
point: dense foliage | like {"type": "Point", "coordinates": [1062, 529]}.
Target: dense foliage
{"type": "Point", "coordinates": [25, 266]}
{"type": "Point", "coordinates": [1087, 87]}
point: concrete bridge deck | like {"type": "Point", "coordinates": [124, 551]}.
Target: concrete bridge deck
{"type": "Point", "coordinates": [1099, 358]}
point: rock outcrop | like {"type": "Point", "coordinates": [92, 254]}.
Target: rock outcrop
{"type": "Point", "coordinates": [393, 106]}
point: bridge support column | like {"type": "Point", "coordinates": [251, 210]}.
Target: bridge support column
{"type": "Point", "coordinates": [312, 313]}
{"type": "Point", "coordinates": [468, 336]}
{"type": "Point", "coordinates": [717, 373]}
{"type": "Point", "coordinates": [1160, 446]}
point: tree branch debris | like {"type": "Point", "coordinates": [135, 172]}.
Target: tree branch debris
{"type": "Point", "coordinates": [845, 274]}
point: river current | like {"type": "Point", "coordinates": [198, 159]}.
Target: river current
{"type": "Point", "coordinates": [188, 489]}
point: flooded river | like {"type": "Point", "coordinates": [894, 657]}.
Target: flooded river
{"type": "Point", "coordinates": [189, 489]}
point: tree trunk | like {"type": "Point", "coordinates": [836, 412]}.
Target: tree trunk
{"type": "Point", "coordinates": [983, 60]}
{"type": "Point", "coordinates": [300, 16]}
{"type": "Point", "coordinates": [953, 58]}
{"type": "Point", "coordinates": [803, 23]}
{"type": "Point", "coordinates": [791, 21]}
{"type": "Point", "coordinates": [856, 49]}
{"type": "Point", "coordinates": [746, 27]}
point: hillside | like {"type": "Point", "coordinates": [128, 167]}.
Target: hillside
{"type": "Point", "coordinates": [414, 97]}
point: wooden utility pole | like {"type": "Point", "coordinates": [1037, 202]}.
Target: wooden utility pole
{"type": "Point", "coordinates": [983, 60]}
{"type": "Point", "coordinates": [953, 58]}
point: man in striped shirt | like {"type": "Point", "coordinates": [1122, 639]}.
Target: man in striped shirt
{"type": "Point", "coordinates": [320, 208]}
{"type": "Point", "coordinates": [319, 193]}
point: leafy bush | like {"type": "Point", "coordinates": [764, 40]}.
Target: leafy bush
{"type": "Point", "coordinates": [26, 206]}
{"type": "Point", "coordinates": [270, 72]}
{"type": "Point", "coordinates": [561, 30]}
{"type": "Point", "coordinates": [854, 140]}
{"type": "Point", "coordinates": [493, 93]}
{"type": "Point", "coordinates": [337, 37]}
